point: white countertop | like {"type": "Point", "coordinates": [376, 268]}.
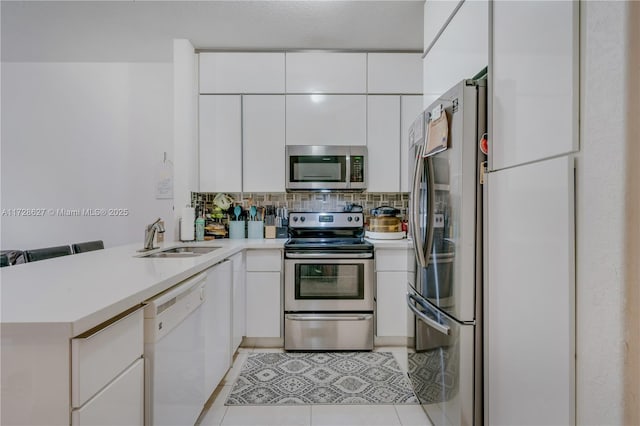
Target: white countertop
{"type": "Point", "coordinates": [83, 290]}
{"type": "Point", "coordinates": [391, 244]}
{"type": "Point", "coordinates": [86, 289]}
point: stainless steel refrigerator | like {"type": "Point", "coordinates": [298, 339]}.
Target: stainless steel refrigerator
{"type": "Point", "coordinates": [445, 293]}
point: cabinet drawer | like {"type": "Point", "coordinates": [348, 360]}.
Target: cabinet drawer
{"type": "Point", "coordinates": [120, 403]}
{"type": "Point", "coordinates": [100, 355]}
{"type": "Point", "coordinates": [392, 260]}
{"type": "Point", "coordinates": [264, 260]}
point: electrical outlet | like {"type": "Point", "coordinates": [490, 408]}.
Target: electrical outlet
{"type": "Point", "coordinates": [438, 220]}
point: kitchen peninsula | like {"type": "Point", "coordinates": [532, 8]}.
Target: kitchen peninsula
{"type": "Point", "coordinates": [55, 310]}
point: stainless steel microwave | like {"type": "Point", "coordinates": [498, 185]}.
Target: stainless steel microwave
{"type": "Point", "coordinates": [326, 168]}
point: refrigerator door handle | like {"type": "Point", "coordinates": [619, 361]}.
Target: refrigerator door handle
{"type": "Point", "coordinates": [413, 211]}
{"type": "Point", "coordinates": [430, 207]}
{"type": "Point", "coordinates": [421, 316]}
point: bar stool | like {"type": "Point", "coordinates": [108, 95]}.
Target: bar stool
{"type": "Point", "coordinates": [47, 253]}
{"type": "Point", "coordinates": [88, 246]}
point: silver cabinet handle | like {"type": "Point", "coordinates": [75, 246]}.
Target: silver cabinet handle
{"type": "Point", "coordinates": [362, 317]}
{"type": "Point", "coordinates": [431, 323]}
{"type": "Point", "coordinates": [290, 255]}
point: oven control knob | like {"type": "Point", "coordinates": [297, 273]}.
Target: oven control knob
{"type": "Point", "coordinates": [349, 219]}
{"type": "Point", "coordinates": [302, 219]}
{"type": "Point", "coordinates": [357, 218]}
{"type": "Point", "coordinates": [295, 218]}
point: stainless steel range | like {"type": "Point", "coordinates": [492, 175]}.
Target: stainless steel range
{"type": "Point", "coordinates": [328, 283]}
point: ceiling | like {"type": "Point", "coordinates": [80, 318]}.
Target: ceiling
{"type": "Point", "coordinates": [142, 31]}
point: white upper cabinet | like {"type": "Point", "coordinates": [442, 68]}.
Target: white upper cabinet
{"type": "Point", "coordinates": [530, 295]}
{"type": "Point", "coordinates": [410, 107]}
{"type": "Point", "coordinates": [436, 14]}
{"type": "Point", "coordinates": [326, 72]}
{"type": "Point", "coordinates": [263, 143]}
{"type": "Point", "coordinates": [535, 81]}
{"type": "Point", "coordinates": [220, 144]}
{"type": "Point", "coordinates": [241, 72]}
{"type": "Point", "coordinates": [326, 119]}
{"type": "Point", "coordinates": [394, 73]}
{"type": "Point", "coordinates": [460, 52]}
{"type": "Point", "coordinates": [383, 145]}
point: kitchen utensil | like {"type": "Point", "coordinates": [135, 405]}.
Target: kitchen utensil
{"type": "Point", "coordinates": [252, 212]}
{"type": "Point", "coordinates": [236, 211]}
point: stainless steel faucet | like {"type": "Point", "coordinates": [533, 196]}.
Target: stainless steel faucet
{"type": "Point", "coordinates": [150, 232]}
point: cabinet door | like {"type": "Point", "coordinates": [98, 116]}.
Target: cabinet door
{"type": "Point", "coordinates": [395, 73]}
{"type": "Point", "coordinates": [263, 160]}
{"type": "Point", "coordinates": [383, 144]}
{"type": "Point", "coordinates": [390, 303]}
{"type": "Point", "coordinates": [326, 72]}
{"type": "Point", "coordinates": [535, 82]}
{"type": "Point", "coordinates": [239, 301]}
{"type": "Point", "coordinates": [241, 72]}
{"type": "Point", "coordinates": [220, 154]}
{"type": "Point", "coordinates": [264, 310]}
{"type": "Point", "coordinates": [436, 14]}
{"type": "Point", "coordinates": [97, 357]}
{"type": "Point", "coordinates": [530, 294]}
{"type": "Point", "coordinates": [217, 325]}
{"type": "Point", "coordinates": [121, 402]}
{"type": "Point", "coordinates": [326, 120]}
{"type": "Point", "coordinates": [410, 107]}
{"type": "Point", "coordinates": [461, 51]}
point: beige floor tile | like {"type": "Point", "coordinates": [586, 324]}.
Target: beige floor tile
{"type": "Point", "coordinates": [354, 415]}
{"type": "Point", "coordinates": [277, 415]}
{"type": "Point", "coordinates": [213, 416]}
{"type": "Point", "coordinates": [399, 353]}
{"type": "Point", "coordinates": [235, 369]}
{"type": "Point", "coordinates": [412, 415]}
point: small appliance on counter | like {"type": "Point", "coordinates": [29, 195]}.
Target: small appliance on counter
{"type": "Point", "coordinates": [384, 224]}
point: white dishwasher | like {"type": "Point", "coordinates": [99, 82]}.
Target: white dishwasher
{"type": "Point", "coordinates": [174, 355]}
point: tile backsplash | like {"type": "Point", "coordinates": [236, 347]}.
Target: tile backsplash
{"type": "Point", "coordinates": [310, 201]}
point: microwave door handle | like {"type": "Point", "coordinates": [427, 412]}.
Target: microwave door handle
{"type": "Point", "coordinates": [414, 210]}
{"type": "Point", "coordinates": [347, 178]}
{"type": "Point", "coordinates": [421, 316]}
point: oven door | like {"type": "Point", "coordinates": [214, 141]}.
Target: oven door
{"type": "Point", "coordinates": [314, 282]}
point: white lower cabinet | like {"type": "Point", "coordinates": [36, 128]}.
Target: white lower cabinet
{"type": "Point", "coordinates": [217, 324]}
{"type": "Point", "coordinates": [264, 294]}
{"type": "Point", "coordinates": [119, 403]}
{"type": "Point", "coordinates": [392, 315]}
{"type": "Point", "coordinates": [107, 373]}
{"type": "Point", "coordinates": [239, 323]}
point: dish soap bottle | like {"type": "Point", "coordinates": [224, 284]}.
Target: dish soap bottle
{"type": "Point", "coordinates": [200, 228]}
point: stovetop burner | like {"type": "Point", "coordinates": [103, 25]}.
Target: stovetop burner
{"type": "Point", "coordinates": [327, 231]}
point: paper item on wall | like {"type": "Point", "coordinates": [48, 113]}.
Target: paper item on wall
{"type": "Point", "coordinates": [164, 180]}
{"type": "Point", "coordinates": [437, 139]}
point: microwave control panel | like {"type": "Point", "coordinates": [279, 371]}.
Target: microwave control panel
{"type": "Point", "coordinates": [357, 168]}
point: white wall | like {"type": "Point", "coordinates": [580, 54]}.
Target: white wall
{"type": "Point", "coordinates": [83, 135]}
{"type": "Point", "coordinates": [604, 196]}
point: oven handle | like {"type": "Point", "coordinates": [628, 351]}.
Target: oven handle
{"type": "Point", "coordinates": [303, 317]}
{"type": "Point", "coordinates": [421, 316]}
{"type": "Point", "coordinates": [328, 255]}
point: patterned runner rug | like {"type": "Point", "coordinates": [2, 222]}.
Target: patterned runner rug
{"type": "Point", "coordinates": [321, 378]}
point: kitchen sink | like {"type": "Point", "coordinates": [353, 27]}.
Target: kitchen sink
{"type": "Point", "coordinates": [181, 252]}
